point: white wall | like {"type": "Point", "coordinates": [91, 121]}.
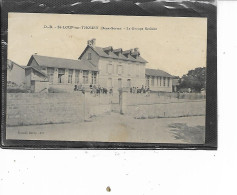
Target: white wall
{"type": "Point", "coordinates": [128, 72]}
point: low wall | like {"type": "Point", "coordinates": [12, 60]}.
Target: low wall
{"type": "Point", "coordinates": [44, 108]}
{"type": "Point", "coordinates": [165, 110]}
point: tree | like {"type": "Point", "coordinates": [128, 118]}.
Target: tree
{"type": "Point", "coordinates": [194, 79]}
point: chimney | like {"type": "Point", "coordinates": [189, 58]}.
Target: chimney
{"type": "Point", "coordinates": [137, 50]}
{"type": "Point", "coordinates": [91, 42]}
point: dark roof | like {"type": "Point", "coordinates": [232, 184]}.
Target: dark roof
{"type": "Point", "coordinates": [157, 72]}
{"type": "Point", "coordinates": [64, 63]}
{"type": "Point", "coordinates": [100, 52]}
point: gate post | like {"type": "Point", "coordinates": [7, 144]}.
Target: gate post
{"type": "Point", "coordinates": [123, 92]}
{"type": "Point", "coordinates": [86, 109]}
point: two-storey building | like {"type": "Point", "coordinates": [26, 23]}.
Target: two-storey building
{"type": "Point", "coordinates": [117, 68]}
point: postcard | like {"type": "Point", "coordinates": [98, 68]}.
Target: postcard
{"type": "Point", "coordinates": [98, 78]}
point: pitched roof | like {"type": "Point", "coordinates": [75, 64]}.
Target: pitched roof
{"type": "Point", "coordinates": [157, 72]}
{"type": "Point", "coordinates": [64, 63]}
{"type": "Point", "coordinates": [36, 69]}
{"type": "Point", "coordinates": [100, 52]}
{"type": "Point", "coordinates": [10, 64]}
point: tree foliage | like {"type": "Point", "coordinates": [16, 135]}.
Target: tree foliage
{"type": "Point", "coordinates": [194, 79]}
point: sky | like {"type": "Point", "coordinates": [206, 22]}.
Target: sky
{"type": "Point", "coordinates": [175, 45]}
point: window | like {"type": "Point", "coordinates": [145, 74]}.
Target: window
{"type": "Point", "coordinates": [70, 72]}
{"type": "Point", "coordinates": [157, 81]}
{"type": "Point", "coordinates": [77, 76]}
{"type": "Point", "coordinates": [85, 77]}
{"type": "Point", "coordinates": [50, 73]}
{"type": "Point", "coordinates": [137, 70]}
{"type": "Point", "coordinates": [89, 56]}
{"type": "Point", "coordinates": [129, 83]}
{"type": "Point", "coordinates": [152, 81]}
{"type": "Point", "coordinates": [147, 81]}
{"type": "Point", "coordinates": [61, 73]}
{"type": "Point", "coordinates": [164, 79]}
{"type": "Point", "coordinates": [168, 82]}
{"type": "Point", "coordinates": [110, 69]}
{"type": "Point", "coordinates": [110, 83]}
{"type": "Point", "coordinates": [160, 80]}
{"type": "Point", "coordinates": [120, 69]}
{"type": "Point", "coordinates": [94, 74]}
{"type": "Point", "coordinates": [129, 69]}
{"type": "Point", "coordinates": [119, 83]}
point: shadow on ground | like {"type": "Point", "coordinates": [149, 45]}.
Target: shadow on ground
{"type": "Point", "coordinates": [189, 134]}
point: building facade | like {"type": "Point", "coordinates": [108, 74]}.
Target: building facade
{"type": "Point", "coordinates": [158, 80]}
{"type": "Point", "coordinates": [104, 67]}
{"type": "Point", "coordinates": [117, 68]}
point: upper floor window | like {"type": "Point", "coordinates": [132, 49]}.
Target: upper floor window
{"type": "Point", "coordinates": [120, 69]}
{"type": "Point", "coordinates": [89, 56]}
{"type": "Point", "coordinates": [137, 70]}
{"type": "Point", "coordinates": [110, 69]}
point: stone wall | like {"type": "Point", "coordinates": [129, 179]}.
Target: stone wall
{"type": "Point", "coordinates": [45, 108]}
{"type": "Point", "coordinates": [166, 110]}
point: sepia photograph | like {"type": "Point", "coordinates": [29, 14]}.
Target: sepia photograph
{"type": "Point", "coordinates": [98, 78]}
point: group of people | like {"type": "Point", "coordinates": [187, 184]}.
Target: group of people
{"type": "Point", "coordinates": [143, 89]}
{"type": "Point", "coordinates": [94, 89]}
{"type": "Point", "coordinates": [97, 89]}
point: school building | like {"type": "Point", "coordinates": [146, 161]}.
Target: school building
{"type": "Point", "coordinates": [101, 66]}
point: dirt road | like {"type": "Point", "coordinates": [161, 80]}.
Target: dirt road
{"type": "Point", "coordinates": [117, 128]}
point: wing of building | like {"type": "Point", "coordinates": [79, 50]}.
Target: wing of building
{"type": "Point", "coordinates": [158, 80]}
{"type": "Point", "coordinates": [102, 66]}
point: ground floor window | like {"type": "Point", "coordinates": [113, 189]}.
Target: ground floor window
{"type": "Point", "coordinates": [61, 73]}
{"type": "Point", "coordinates": [164, 80]}
{"type": "Point", "coordinates": [152, 81]}
{"type": "Point", "coordinates": [77, 76]}
{"type": "Point", "coordinates": [70, 72]}
{"type": "Point", "coordinates": [85, 77]}
{"type": "Point", "coordinates": [160, 80]}
{"type": "Point", "coordinates": [93, 75]}
{"type": "Point", "coordinates": [50, 74]}
{"type": "Point", "coordinates": [129, 82]}
{"type": "Point", "coordinates": [168, 82]}
{"type": "Point", "coordinates": [119, 83]}
{"type": "Point", "coordinates": [147, 82]}
{"type": "Point", "coordinates": [110, 85]}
